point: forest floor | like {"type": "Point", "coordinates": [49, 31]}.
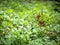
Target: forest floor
{"type": "Point", "coordinates": [29, 23]}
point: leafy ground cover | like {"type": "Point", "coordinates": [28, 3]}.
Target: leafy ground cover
{"type": "Point", "coordinates": [29, 23]}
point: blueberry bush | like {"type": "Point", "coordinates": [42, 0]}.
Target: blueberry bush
{"type": "Point", "coordinates": [29, 22]}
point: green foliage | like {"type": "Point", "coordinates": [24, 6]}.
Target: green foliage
{"type": "Point", "coordinates": [19, 26]}
{"type": "Point", "coordinates": [42, 42]}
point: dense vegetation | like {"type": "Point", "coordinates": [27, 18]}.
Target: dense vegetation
{"type": "Point", "coordinates": [27, 22]}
